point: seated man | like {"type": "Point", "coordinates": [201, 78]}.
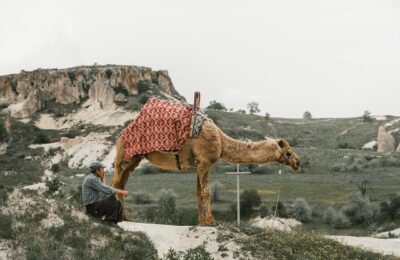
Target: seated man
{"type": "Point", "coordinates": [109, 209]}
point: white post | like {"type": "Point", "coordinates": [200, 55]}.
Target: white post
{"type": "Point", "coordinates": [238, 200]}
{"type": "Point", "coordinates": [237, 173]}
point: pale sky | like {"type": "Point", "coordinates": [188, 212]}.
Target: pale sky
{"type": "Point", "coordinates": [333, 58]}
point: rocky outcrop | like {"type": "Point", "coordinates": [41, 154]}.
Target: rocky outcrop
{"type": "Point", "coordinates": [398, 148]}
{"type": "Point", "coordinates": [106, 86]}
{"type": "Point", "coordinates": [385, 141]}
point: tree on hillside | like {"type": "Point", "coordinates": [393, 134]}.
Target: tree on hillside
{"type": "Point", "coordinates": [267, 116]}
{"type": "Point", "coordinates": [216, 106]}
{"type": "Point", "coordinates": [307, 115]}
{"type": "Point", "coordinates": [253, 107]}
{"type": "Point", "coordinates": [367, 116]}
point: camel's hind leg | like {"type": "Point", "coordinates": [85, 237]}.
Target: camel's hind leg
{"type": "Point", "coordinates": [199, 202]}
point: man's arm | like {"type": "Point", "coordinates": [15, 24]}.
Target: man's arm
{"type": "Point", "coordinates": [98, 185]}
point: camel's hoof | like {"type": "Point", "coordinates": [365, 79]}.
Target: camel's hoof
{"type": "Point", "coordinates": [210, 222]}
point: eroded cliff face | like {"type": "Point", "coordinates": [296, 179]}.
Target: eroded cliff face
{"type": "Point", "coordinates": [105, 86]}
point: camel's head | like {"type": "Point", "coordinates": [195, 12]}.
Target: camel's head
{"type": "Point", "coordinates": [285, 156]}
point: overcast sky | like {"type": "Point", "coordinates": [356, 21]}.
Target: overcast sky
{"type": "Point", "coordinates": [333, 58]}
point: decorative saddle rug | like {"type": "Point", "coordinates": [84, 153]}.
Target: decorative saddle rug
{"type": "Point", "coordinates": [160, 126]}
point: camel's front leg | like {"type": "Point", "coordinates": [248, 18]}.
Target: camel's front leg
{"type": "Point", "coordinates": [133, 163]}
{"type": "Point", "coordinates": [119, 159]}
{"type": "Point", "coordinates": [203, 170]}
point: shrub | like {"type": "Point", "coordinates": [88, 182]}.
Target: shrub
{"type": "Point", "coordinates": [53, 186]}
{"type": "Point", "coordinates": [197, 253]}
{"type": "Point", "coordinates": [390, 208]}
{"type": "Point", "coordinates": [301, 210]}
{"type": "Point", "coordinates": [253, 107]}
{"type": "Point", "coordinates": [248, 200]}
{"type": "Point", "coordinates": [5, 227]}
{"type": "Point", "coordinates": [358, 209]}
{"type": "Point", "coordinates": [280, 210]}
{"type": "Point", "coordinates": [267, 116]}
{"type": "Point", "coordinates": [264, 211]}
{"type": "Point", "coordinates": [367, 116]}
{"type": "Point", "coordinates": [335, 218]}
{"type": "Point", "coordinates": [41, 138]}
{"type": "Point", "coordinates": [147, 169]}
{"type": "Point", "coordinates": [216, 106]}
{"type": "Point", "coordinates": [140, 197]}
{"type": "Point", "coordinates": [166, 207]}
{"type": "Point", "coordinates": [55, 167]}
{"type": "Point", "coordinates": [216, 188]}
{"type": "Point", "coordinates": [3, 133]}
{"type": "Point", "coordinates": [307, 115]}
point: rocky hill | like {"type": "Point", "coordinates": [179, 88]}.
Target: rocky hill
{"type": "Point", "coordinates": [103, 86]}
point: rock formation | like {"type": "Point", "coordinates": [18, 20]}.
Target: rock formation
{"type": "Point", "coordinates": [385, 141]}
{"type": "Point", "coordinates": [28, 92]}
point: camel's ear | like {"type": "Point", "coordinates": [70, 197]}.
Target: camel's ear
{"type": "Point", "coordinates": [281, 142]}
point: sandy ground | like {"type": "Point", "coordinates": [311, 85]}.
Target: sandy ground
{"type": "Point", "coordinates": [181, 238]}
{"type": "Point", "coordinates": [384, 246]}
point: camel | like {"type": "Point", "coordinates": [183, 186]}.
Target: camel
{"type": "Point", "coordinates": [201, 153]}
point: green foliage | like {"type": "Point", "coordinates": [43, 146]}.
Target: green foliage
{"type": "Point", "coordinates": [367, 116]}
{"type": "Point", "coordinates": [141, 197]}
{"type": "Point", "coordinates": [216, 188]}
{"type": "Point", "coordinates": [272, 244]}
{"type": "Point", "coordinates": [267, 116]}
{"type": "Point", "coordinates": [390, 208]}
{"type": "Point", "coordinates": [108, 73]}
{"type": "Point", "coordinates": [197, 253]}
{"type": "Point", "coordinates": [41, 138]}
{"type": "Point", "coordinates": [216, 106]}
{"type": "Point", "coordinates": [253, 107]}
{"type": "Point", "coordinates": [249, 199]}
{"type": "Point", "coordinates": [5, 227]}
{"type": "Point", "coordinates": [358, 209]}
{"type": "Point", "coordinates": [336, 218]}
{"type": "Point", "coordinates": [166, 207]}
{"type": "Point", "coordinates": [281, 210]}
{"type": "Point", "coordinates": [53, 185]}
{"type": "Point", "coordinates": [301, 210]}
{"type": "Point", "coordinates": [264, 211]}
{"type": "Point", "coordinates": [307, 115]}
{"type": "Point", "coordinates": [3, 133]}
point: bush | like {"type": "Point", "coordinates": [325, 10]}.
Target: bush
{"type": "Point", "coordinates": [140, 197]}
{"type": "Point", "coordinates": [3, 133]}
{"type": "Point", "coordinates": [248, 200]}
{"type": "Point", "coordinates": [197, 253]}
{"type": "Point", "coordinates": [41, 138]}
{"type": "Point", "coordinates": [389, 209]}
{"type": "Point", "coordinates": [53, 186]}
{"type": "Point", "coordinates": [5, 227]}
{"type": "Point", "coordinates": [358, 209]}
{"type": "Point", "coordinates": [335, 218]}
{"type": "Point", "coordinates": [216, 188]}
{"type": "Point", "coordinates": [216, 106]}
{"type": "Point", "coordinates": [166, 207]}
{"type": "Point", "coordinates": [264, 211]}
{"type": "Point", "coordinates": [280, 210]}
{"type": "Point", "coordinates": [301, 210]}
{"type": "Point", "coordinates": [307, 115]}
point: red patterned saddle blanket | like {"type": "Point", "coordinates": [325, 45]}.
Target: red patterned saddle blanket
{"type": "Point", "coordinates": [160, 126]}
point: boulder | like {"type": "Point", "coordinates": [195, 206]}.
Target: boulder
{"type": "Point", "coordinates": [385, 141]}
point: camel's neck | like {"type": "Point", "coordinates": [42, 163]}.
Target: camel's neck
{"type": "Point", "coordinates": [235, 151]}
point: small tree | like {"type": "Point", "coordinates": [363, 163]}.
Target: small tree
{"type": "Point", "coordinates": [267, 116]}
{"type": "Point", "coordinates": [216, 106]}
{"type": "Point", "coordinates": [307, 115]}
{"type": "Point", "coordinates": [301, 210]}
{"type": "Point", "coordinates": [253, 107]}
{"type": "Point", "coordinates": [166, 207]}
{"type": "Point", "coordinates": [367, 116]}
{"type": "Point", "coordinates": [248, 200]}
